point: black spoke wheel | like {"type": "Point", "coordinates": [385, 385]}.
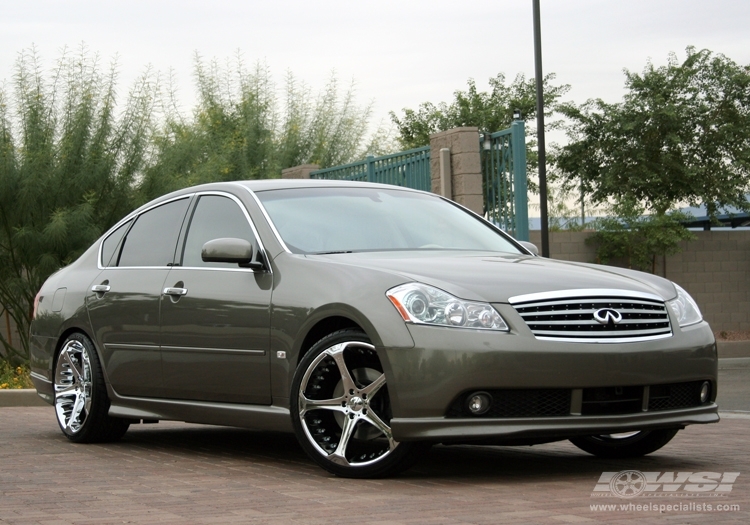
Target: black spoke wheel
{"type": "Point", "coordinates": [341, 410]}
{"type": "Point", "coordinates": [81, 402]}
{"type": "Point", "coordinates": [625, 445]}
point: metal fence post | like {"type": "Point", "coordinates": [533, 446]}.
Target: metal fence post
{"type": "Point", "coordinates": [520, 190]}
{"type": "Point", "coordinates": [370, 168]}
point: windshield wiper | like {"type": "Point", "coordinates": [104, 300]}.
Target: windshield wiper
{"type": "Point", "coordinates": [332, 253]}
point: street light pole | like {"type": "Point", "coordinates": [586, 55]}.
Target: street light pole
{"type": "Point", "coordinates": [540, 129]}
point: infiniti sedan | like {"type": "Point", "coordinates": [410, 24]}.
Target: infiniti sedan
{"type": "Point", "coordinates": [371, 321]}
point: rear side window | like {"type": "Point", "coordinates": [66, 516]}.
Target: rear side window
{"type": "Point", "coordinates": [215, 217]}
{"type": "Point", "coordinates": [152, 239]}
{"type": "Point", "coordinates": [112, 243]}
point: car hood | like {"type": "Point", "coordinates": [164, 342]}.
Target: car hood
{"type": "Point", "coordinates": [493, 277]}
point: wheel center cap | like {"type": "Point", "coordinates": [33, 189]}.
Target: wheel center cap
{"type": "Point", "coordinates": [356, 403]}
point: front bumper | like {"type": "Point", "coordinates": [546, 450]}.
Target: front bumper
{"type": "Point", "coordinates": [425, 381]}
{"type": "Point", "coordinates": [514, 429]}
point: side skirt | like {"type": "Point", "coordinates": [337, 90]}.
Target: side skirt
{"type": "Point", "coordinates": [255, 417]}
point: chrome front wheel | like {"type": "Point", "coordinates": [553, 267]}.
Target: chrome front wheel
{"type": "Point", "coordinates": [341, 409]}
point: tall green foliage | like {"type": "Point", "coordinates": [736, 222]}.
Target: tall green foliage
{"type": "Point", "coordinates": [239, 131]}
{"type": "Point", "coordinates": [68, 163]}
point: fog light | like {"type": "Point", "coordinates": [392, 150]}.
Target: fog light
{"type": "Point", "coordinates": [479, 403]}
{"type": "Point", "coordinates": [705, 391]}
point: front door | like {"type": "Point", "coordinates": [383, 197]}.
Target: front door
{"type": "Point", "coordinates": [215, 316]}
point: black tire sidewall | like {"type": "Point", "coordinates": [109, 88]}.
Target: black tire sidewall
{"type": "Point", "coordinates": [645, 442]}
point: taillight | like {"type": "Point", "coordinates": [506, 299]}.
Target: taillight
{"type": "Point", "coordinates": [36, 305]}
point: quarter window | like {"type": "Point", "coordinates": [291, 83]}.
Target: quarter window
{"type": "Point", "coordinates": [152, 239]}
{"type": "Point", "coordinates": [112, 243]}
{"type": "Point", "coordinates": [215, 217]}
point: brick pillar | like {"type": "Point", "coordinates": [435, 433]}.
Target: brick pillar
{"type": "Point", "coordinates": [466, 166]}
{"type": "Point", "coordinates": [299, 172]}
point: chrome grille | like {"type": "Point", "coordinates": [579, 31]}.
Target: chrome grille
{"type": "Point", "coordinates": [623, 316]}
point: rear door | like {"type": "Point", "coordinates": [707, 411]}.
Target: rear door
{"type": "Point", "coordinates": [215, 316]}
{"type": "Point", "coordinates": [123, 301]}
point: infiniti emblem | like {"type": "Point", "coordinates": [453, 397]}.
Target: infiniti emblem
{"type": "Point", "coordinates": [607, 316]}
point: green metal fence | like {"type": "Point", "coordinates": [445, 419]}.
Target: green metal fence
{"type": "Point", "coordinates": [504, 174]}
{"type": "Point", "coordinates": [409, 168]}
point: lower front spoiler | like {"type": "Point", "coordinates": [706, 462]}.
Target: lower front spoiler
{"type": "Point", "coordinates": [467, 429]}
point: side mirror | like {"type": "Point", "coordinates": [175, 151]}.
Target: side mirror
{"type": "Point", "coordinates": [230, 250]}
{"type": "Point", "coordinates": [530, 246]}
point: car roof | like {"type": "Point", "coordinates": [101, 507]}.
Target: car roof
{"type": "Point", "coordinates": [279, 184]}
{"type": "Point", "coordinates": [276, 184]}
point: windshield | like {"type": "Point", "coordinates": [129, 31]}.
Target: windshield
{"type": "Point", "coordinates": [333, 220]}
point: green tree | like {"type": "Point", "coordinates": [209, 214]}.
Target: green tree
{"type": "Point", "coordinates": [628, 235]}
{"type": "Point", "coordinates": [489, 111]}
{"type": "Point", "coordinates": [238, 131]}
{"type": "Point", "coordinates": [68, 163]}
{"type": "Point", "coordinates": [680, 135]}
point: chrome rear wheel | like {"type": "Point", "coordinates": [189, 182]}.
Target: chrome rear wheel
{"type": "Point", "coordinates": [81, 402]}
{"type": "Point", "coordinates": [73, 386]}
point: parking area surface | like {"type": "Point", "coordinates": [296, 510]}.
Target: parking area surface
{"type": "Point", "coordinates": [180, 473]}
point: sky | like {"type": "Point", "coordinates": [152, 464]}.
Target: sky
{"type": "Point", "coordinates": [398, 53]}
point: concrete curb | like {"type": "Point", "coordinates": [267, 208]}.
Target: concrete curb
{"type": "Point", "coordinates": [23, 397]}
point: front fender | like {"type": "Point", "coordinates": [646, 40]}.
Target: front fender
{"type": "Point", "coordinates": [300, 303]}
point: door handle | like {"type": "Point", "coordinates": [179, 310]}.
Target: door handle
{"type": "Point", "coordinates": [100, 288]}
{"type": "Point", "coordinates": [175, 291]}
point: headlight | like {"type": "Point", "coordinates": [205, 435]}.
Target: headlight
{"type": "Point", "coordinates": [422, 304]}
{"type": "Point", "coordinates": [684, 308]}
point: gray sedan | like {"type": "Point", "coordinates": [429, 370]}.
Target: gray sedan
{"type": "Point", "coordinates": [371, 321]}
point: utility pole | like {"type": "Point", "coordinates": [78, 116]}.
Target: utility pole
{"type": "Point", "coordinates": [540, 129]}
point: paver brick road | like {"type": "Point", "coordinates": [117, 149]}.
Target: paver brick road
{"type": "Point", "coordinates": [178, 473]}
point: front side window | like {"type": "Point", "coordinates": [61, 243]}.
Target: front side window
{"type": "Point", "coordinates": [215, 217]}
{"type": "Point", "coordinates": [153, 238]}
{"type": "Point", "coordinates": [329, 220]}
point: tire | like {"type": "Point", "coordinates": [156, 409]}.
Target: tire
{"type": "Point", "coordinates": [81, 402]}
{"type": "Point", "coordinates": [630, 445]}
{"type": "Point", "coordinates": [341, 410]}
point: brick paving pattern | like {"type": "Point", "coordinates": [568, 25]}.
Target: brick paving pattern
{"type": "Point", "coordinates": [176, 473]}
